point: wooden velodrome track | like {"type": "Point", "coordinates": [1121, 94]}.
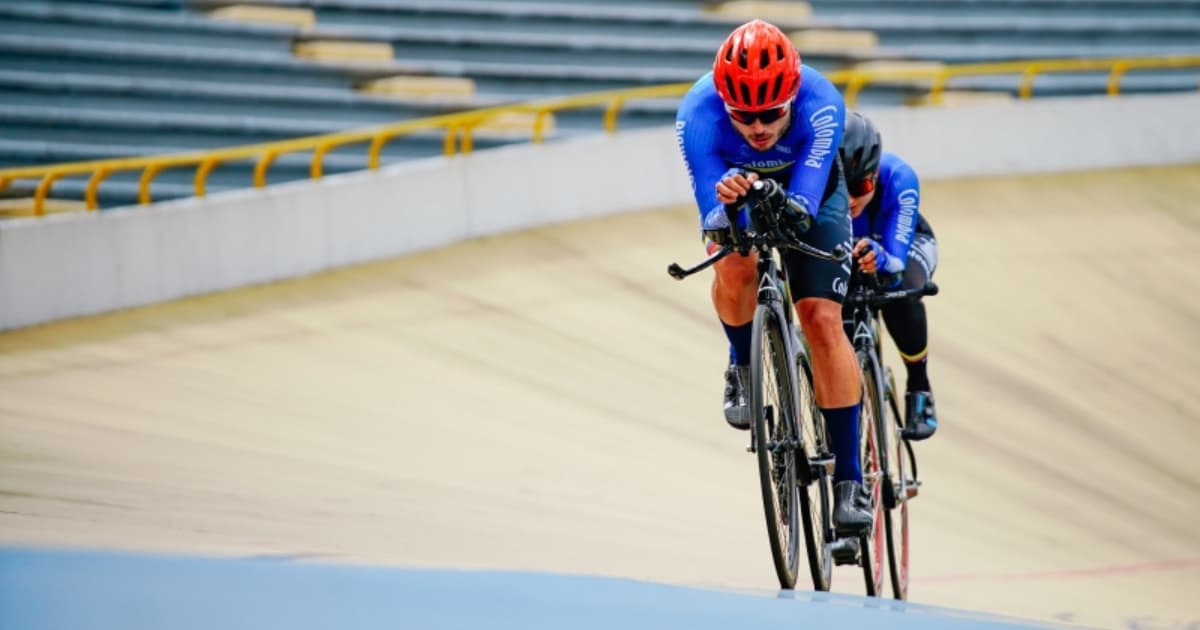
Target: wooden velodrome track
{"type": "Point", "coordinates": [550, 400]}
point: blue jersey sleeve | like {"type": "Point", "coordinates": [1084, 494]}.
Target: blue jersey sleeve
{"type": "Point", "coordinates": [820, 107]}
{"type": "Point", "coordinates": [898, 209]}
{"type": "Point", "coordinates": [696, 133]}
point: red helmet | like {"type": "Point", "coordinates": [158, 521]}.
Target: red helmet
{"type": "Point", "coordinates": [757, 67]}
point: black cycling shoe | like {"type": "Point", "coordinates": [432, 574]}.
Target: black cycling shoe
{"type": "Point", "coordinates": [920, 416]}
{"type": "Point", "coordinates": [737, 401]}
{"type": "Point", "coordinates": [851, 508]}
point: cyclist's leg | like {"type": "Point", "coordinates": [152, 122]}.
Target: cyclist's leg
{"type": "Point", "coordinates": [906, 322]}
{"type": "Point", "coordinates": [820, 288]}
{"type": "Point", "coordinates": [733, 295]}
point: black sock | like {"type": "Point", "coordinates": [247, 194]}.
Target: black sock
{"type": "Point", "coordinates": [918, 379]}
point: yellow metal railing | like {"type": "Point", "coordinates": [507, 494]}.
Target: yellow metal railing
{"type": "Point", "coordinates": [1117, 67]}
{"type": "Point", "coordinates": [459, 127]}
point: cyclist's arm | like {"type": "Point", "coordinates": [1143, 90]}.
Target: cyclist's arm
{"type": "Point", "coordinates": [698, 139]}
{"type": "Point", "coordinates": [900, 213]}
{"type": "Point", "coordinates": [819, 108]}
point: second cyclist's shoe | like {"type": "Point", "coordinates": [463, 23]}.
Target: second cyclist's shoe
{"type": "Point", "coordinates": [737, 399]}
{"type": "Point", "coordinates": [920, 416]}
{"type": "Point", "coordinates": [851, 508]}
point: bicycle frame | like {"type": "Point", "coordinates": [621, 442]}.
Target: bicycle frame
{"type": "Point", "coordinates": [865, 324]}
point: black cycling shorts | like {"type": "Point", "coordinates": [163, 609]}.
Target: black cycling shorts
{"type": "Point", "coordinates": [810, 277]}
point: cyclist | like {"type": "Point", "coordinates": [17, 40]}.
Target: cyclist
{"type": "Point", "coordinates": [760, 113]}
{"type": "Point", "coordinates": [896, 243]}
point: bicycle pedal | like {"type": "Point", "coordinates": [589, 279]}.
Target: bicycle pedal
{"type": "Point", "coordinates": [845, 551]}
{"type": "Point", "coordinates": [825, 461]}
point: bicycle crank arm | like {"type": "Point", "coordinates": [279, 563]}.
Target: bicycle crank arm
{"type": "Point", "coordinates": [845, 551]}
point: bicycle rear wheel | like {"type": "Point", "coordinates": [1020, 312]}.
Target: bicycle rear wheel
{"type": "Point", "coordinates": [817, 479]}
{"type": "Point", "coordinates": [896, 500]}
{"type": "Point", "coordinates": [874, 458]}
{"type": "Point", "coordinates": [772, 401]}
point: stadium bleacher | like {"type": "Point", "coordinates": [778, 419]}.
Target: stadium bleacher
{"type": "Point", "coordinates": [89, 80]}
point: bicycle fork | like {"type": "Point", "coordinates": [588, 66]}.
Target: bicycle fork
{"type": "Point", "coordinates": [770, 296]}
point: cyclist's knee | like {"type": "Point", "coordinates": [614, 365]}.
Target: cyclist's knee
{"type": "Point", "coordinates": [736, 272]}
{"type": "Point", "coordinates": [822, 321]}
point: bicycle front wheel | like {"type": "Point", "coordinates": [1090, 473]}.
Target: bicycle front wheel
{"type": "Point", "coordinates": [874, 464]}
{"type": "Point", "coordinates": [772, 401]}
{"type": "Point", "coordinates": [897, 475]}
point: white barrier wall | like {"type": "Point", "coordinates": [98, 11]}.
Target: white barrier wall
{"type": "Point", "coordinates": [1044, 135]}
{"type": "Point", "coordinates": [78, 264]}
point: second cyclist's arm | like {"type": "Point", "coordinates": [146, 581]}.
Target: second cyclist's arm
{"type": "Point", "coordinates": [900, 213]}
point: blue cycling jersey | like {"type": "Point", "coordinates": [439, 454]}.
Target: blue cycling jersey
{"type": "Point", "coordinates": [801, 160]}
{"type": "Point", "coordinates": [892, 216]}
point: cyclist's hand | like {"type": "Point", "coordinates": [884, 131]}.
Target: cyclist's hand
{"type": "Point", "coordinates": [716, 225]}
{"type": "Point", "coordinates": [873, 258]}
{"type": "Point", "coordinates": [870, 255]}
{"type": "Point", "coordinates": [734, 185]}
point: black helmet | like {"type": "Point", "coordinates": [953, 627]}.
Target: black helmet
{"type": "Point", "coordinates": [861, 147]}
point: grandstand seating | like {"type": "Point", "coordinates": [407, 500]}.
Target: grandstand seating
{"type": "Point", "coordinates": [86, 80]}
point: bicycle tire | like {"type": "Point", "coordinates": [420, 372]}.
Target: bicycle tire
{"type": "Point", "coordinates": [772, 401]}
{"type": "Point", "coordinates": [816, 493]}
{"type": "Point", "coordinates": [874, 461]}
{"type": "Point", "coordinates": [897, 547]}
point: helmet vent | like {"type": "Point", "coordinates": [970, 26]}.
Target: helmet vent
{"type": "Point", "coordinates": [775, 90]}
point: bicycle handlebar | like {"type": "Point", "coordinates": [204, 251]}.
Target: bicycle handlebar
{"type": "Point", "coordinates": [767, 193]}
{"type": "Point", "coordinates": [868, 295]}
{"type": "Point", "coordinates": [767, 198]}
{"type": "Point", "coordinates": [679, 273]}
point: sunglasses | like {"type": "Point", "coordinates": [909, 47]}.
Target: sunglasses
{"type": "Point", "coordinates": [861, 187]}
{"type": "Point", "coordinates": [767, 116]}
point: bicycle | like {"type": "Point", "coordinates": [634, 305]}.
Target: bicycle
{"type": "Point", "coordinates": [795, 463]}
{"type": "Point", "coordinates": [891, 482]}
